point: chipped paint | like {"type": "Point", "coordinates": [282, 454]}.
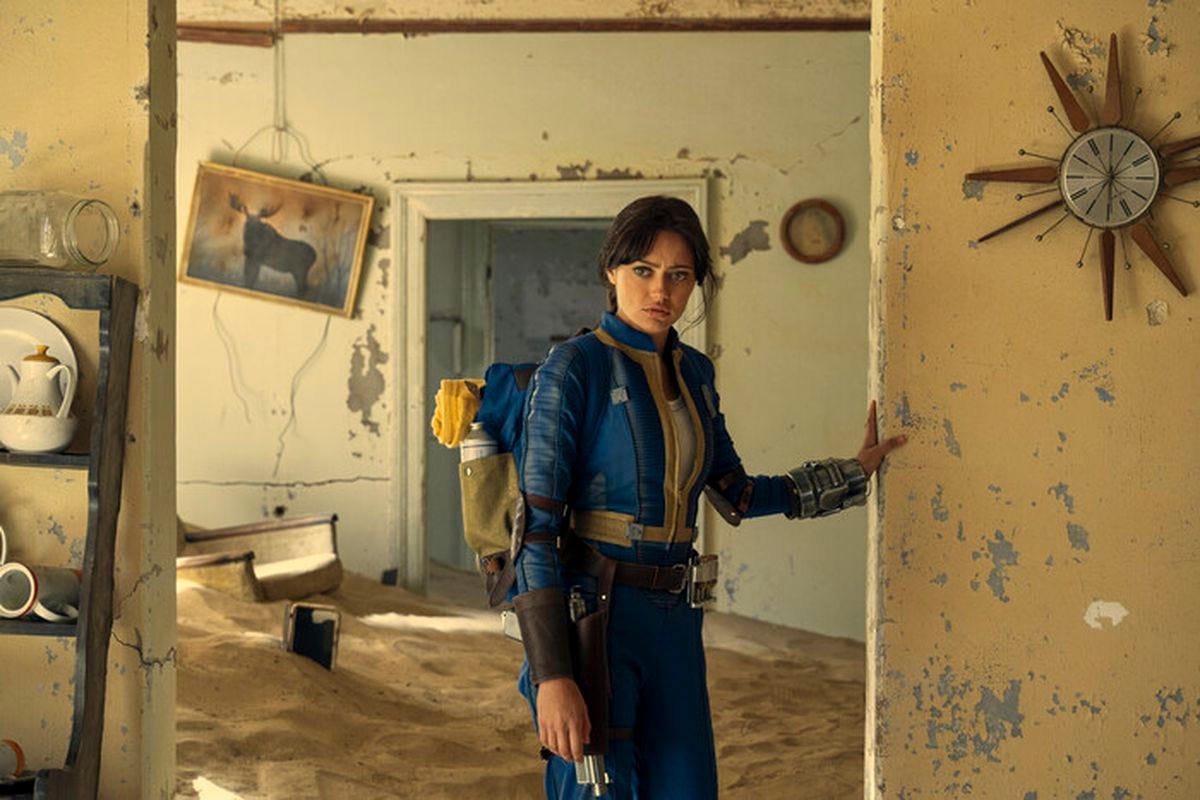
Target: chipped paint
{"type": "Point", "coordinates": [1077, 535]}
{"type": "Point", "coordinates": [959, 729]}
{"type": "Point", "coordinates": [1100, 610]}
{"type": "Point", "coordinates": [951, 441]}
{"type": "Point", "coordinates": [903, 412]}
{"type": "Point", "coordinates": [911, 158]}
{"type": "Point", "coordinates": [1157, 312]}
{"type": "Point", "coordinates": [573, 172]}
{"type": "Point", "coordinates": [753, 237]}
{"type": "Point", "coordinates": [1154, 41]}
{"type": "Point", "coordinates": [1061, 491]}
{"type": "Point", "coordinates": [940, 512]}
{"type": "Point", "coordinates": [1003, 556]}
{"type": "Point", "coordinates": [622, 173]}
{"type": "Point", "coordinates": [15, 148]}
{"type": "Point", "coordinates": [1105, 395]}
{"type": "Point", "coordinates": [366, 382]}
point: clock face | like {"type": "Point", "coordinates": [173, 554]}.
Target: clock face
{"type": "Point", "coordinates": [1109, 177]}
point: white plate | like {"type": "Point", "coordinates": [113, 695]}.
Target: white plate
{"type": "Point", "coordinates": [21, 331]}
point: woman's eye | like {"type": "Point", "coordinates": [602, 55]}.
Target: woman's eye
{"type": "Point", "coordinates": [680, 276]}
{"type": "Point", "coordinates": [641, 272]}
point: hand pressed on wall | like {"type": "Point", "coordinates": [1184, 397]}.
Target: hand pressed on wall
{"type": "Point", "coordinates": [873, 451]}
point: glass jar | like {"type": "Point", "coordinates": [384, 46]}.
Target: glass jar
{"type": "Point", "coordinates": [53, 229]}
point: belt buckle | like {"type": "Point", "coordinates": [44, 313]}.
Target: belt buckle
{"type": "Point", "coordinates": [702, 580]}
{"type": "Point", "coordinates": [682, 571]}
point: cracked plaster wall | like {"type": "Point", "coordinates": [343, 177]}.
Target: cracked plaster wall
{"type": "Point", "coordinates": [770, 118]}
{"type": "Point", "coordinates": [1032, 620]}
{"type": "Point", "coordinates": [102, 126]}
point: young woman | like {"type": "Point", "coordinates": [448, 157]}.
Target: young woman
{"type": "Point", "coordinates": [623, 432]}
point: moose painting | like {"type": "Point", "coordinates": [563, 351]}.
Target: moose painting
{"type": "Point", "coordinates": [278, 239]}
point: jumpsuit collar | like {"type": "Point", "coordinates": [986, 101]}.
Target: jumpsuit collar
{"type": "Point", "coordinates": [632, 337]}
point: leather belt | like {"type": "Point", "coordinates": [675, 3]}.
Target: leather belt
{"type": "Point", "coordinates": [663, 578]}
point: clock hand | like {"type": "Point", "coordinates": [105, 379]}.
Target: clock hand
{"type": "Point", "coordinates": [1121, 160]}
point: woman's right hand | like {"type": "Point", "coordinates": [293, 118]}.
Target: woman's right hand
{"type": "Point", "coordinates": [563, 724]}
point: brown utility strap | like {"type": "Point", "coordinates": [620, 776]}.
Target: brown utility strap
{"type": "Point", "coordinates": [545, 504]}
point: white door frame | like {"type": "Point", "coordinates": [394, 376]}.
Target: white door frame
{"type": "Point", "coordinates": [415, 204]}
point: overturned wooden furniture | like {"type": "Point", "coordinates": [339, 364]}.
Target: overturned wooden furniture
{"type": "Point", "coordinates": [283, 559]}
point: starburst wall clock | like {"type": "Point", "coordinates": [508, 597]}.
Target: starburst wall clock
{"type": "Point", "coordinates": [1110, 178]}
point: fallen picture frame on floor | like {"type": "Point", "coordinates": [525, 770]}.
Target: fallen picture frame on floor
{"type": "Point", "coordinates": [311, 630]}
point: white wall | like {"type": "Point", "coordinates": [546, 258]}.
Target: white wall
{"type": "Point", "coordinates": [770, 117]}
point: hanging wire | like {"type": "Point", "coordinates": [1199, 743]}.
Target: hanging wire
{"type": "Point", "coordinates": [308, 362]}
{"type": "Point", "coordinates": [282, 130]}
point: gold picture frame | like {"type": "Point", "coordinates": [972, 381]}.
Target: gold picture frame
{"type": "Point", "coordinates": [276, 239]}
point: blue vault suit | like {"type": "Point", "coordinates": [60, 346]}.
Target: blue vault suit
{"type": "Point", "coordinates": [597, 440]}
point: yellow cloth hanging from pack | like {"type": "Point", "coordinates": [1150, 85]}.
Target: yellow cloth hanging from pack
{"type": "Point", "coordinates": [456, 402]}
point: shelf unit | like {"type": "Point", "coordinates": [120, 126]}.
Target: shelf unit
{"type": "Point", "coordinates": [115, 301]}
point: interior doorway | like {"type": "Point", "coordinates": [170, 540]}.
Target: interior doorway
{"type": "Point", "coordinates": [417, 208]}
{"type": "Point", "coordinates": [498, 290]}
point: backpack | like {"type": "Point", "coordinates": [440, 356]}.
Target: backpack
{"type": "Point", "coordinates": [493, 507]}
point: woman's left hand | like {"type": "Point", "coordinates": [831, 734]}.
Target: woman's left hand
{"type": "Point", "coordinates": [873, 451]}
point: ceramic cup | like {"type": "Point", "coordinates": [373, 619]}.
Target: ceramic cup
{"type": "Point", "coordinates": [12, 759]}
{"type": "Point", "coordinates": [51, 593]}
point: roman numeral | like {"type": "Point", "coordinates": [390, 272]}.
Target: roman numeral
{"type": "Point", "coordinates": [1137, 162]}
{"type": "Point", "coordinates": [1080, 193]}
{"type": "Point", "coordinates": [1095, 149]}
{"type": "Point", "coordinates": [1125, 208]}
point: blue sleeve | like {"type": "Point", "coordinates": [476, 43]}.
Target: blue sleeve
{"type": "Point", "coordinates": [555, 412]}
{"type": "Point", "coordinates": [752, 495]}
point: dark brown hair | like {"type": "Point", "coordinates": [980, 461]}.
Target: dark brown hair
{"type": "Point", "coordinates": [632, 233]}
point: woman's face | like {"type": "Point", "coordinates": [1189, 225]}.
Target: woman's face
{"type": "Point", "coordinates": [653, 291]}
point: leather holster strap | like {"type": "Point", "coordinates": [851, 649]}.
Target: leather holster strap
{"type": "Point", "coordinates": [665, 578]}
{"type": "Point", "coordinates": [542, 616]}
{"type": "Point", "coordinates": [620, 529]}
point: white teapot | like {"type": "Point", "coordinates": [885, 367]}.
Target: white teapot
{"type": "Point", "coordinates": [37, 419]}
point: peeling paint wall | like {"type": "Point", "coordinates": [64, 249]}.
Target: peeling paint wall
{"type": "Point", "coordinates": [282, 408]}
{"type": "Point", "coordinates": [102, 125]}
{"type": "Point", "coordinates": [1032, 622]}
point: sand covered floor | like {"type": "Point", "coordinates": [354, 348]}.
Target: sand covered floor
{"type": "Point", "coordinates": [423, 704]}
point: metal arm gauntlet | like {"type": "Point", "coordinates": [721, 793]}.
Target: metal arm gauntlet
{"type": "Point", "coordinates": [821, 488]}
{"type": "Point", "coordinates": [542, 615]}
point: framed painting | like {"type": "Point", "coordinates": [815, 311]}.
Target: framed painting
{"type": "Point", "coordinates": [277, 239]}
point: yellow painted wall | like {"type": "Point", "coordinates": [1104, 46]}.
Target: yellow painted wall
{"type": "Point", "coordinates": [1033, 619]}
{"type": "Point", "coordinates": [89, 102]}
{"type": "Point", "coordinates": [770, 118]}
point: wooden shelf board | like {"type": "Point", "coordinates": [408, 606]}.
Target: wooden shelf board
{"type": "Point", "coordinates": [52, 460]}
{"type": "Point", "coordinates": [35, 627]}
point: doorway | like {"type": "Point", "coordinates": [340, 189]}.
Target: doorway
{"type": "Point", "coordinates": [498, 290]}
{"type": "Point", "coordinates": [509, 210]}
